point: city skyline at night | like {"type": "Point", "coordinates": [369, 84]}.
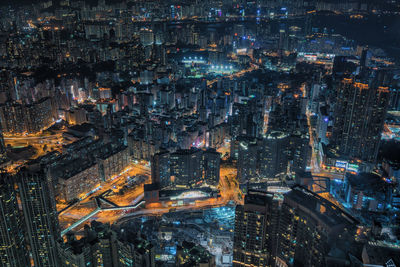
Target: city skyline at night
{"type": "Point", "coordinates": [204, 133]}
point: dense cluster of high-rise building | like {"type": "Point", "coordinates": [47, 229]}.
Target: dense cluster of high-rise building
{"type": "Point", "coordinates": [119, 111]}
{"type": "Point", "coordinates": [300, 229]}
{"type": "Point", "coordinates": [36, 227]}
{"type": "Point", "coordinates": [36, 224]}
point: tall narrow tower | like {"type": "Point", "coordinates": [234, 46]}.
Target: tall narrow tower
{"type": "Point", "coordinates": [13, 252]}
{"type": "Point", "coordinates": [359, 116]}
{"type": "Point", "coordinates": [41, 218]}
{"type": "Point", "coordinates": [255, 230]}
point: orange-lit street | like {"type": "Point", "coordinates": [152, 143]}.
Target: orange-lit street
{"type": "Point", "coordinates": [229, 190]}
{"type": "Point", "coordinates": [229, 186]}
{"type": "Point", "coordinates": [25, 148]}
{"type": "Point", "coordinates": [234, 75]}
{"type": "Point", "coordinates": [119, 190]}
{"type": "Point", "coordinates": [42, 144]}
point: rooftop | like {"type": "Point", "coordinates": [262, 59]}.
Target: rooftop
{"type": "Point", "coordinates": [325, 210]}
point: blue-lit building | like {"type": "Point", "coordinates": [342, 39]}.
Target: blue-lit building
{"type": "Point", "coordinates": [364, 192]}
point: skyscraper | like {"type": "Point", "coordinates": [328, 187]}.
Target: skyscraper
{"type": "Point", "coordinates": [211, 161]}
{"type": "Point", "coordinates": [299, 151]}
{"type": "Point", "coordinates": [273, 156]}
{"type": "Point", "coordinates": [359, 116]}
{"type": "Point", "coordinates": [308, 23]}
{"type": "Point", "coordinates": [255, 233]}
{"type": "Point", "coordinates": [13, 252]}
{"type": "Point", "coordinates": [247, 159]}
{"type": "Point", "coordinates": [299, 228]}
{"type": "Point", "coordinates": [40, 214]}
{"type": "Point", "coordinates": [310, 227]}
{"type": "Point", "coordinates": [160, 169]}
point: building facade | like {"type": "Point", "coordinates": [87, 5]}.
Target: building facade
{"type": "Point", "coordinates": [359, 116]}
{"type": "Point", "coordinates": [255, 233]}
{"type": "Point", "coordinates": [13, 251]}
{"type": "Point", "coordinates": [41, 217]}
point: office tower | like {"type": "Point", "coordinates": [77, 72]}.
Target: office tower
{"type": "Point", "coordinates": [273, 156]}
{"type": "Point", "coordinates": [255, 230]}
{"type": "Point", "coordinates": [40, 214]}
{"type": "Point", "coordinates": [394, 99]}
{"type": "Point", "coordinates": [134, 249]}
{"type": "Point", "coordinates": [104, 251]}
{"type": "Point", "coordinates": [211, 161]}
{"type": "Point", "coordinates": [359, 116]}
{"type": "Point", "coordinates": [310, 227]}
{"type": "Point", "coordinates": [160, 169]}
{"type": "Point", "coordinates": [246, 119]}
{"type": "Point", "coordinates": [283, 39]}
{"type": "Point", "coordinates": [239, 30]}
{"type": "Point", "coordinates": [203, 102]}
{"type": "Point", "coordinates": [186, 168]}
{"type": "Point", "coordinates": [74, 253]}
{"type": "Point", "coordinates": [13, 252]}
{"type": "Point", "coordinates": [364, 59]}
{"type": "Point", "coordinates": [247, 159]}
{"type": "Point", "coordinates": [2, 144]}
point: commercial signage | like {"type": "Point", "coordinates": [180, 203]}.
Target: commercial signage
{"type": "Point", "coordinates": [341, 164]}
{"type": "Point", "coordinates": [352, 167]}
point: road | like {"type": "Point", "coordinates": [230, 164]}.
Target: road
{"type": "Point", "coordinates": [122, 198]}
{"type": "Point", "coordinates": [43, 141]}
{"type": "Point", "coordinates": [314, 161]}
{"type": "Point", "coordinates": [225, 149]}
{"type": "Point", "coordinates": [42, 145]}
{"type": "Point", "coordinates": [229, 186]}
{"type": "Point", "coordinates": [234, 75]}
{"type": "Point", "coordinates": [322, 178]}
{"type": "Point", "coordinates": [87, 209]}
{"type": "Point", "coordinates": [200, 204]}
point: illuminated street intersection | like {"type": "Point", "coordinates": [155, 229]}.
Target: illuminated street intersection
{"type": "Point", "coordinates": [209, 220]}
{"type": "Point", "coordinates": [109, 204]}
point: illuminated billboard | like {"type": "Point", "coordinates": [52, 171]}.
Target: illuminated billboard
{"type": "Point", "coordinates": [341, 164]}
{"type": "Point", "coordinates": [352, 167]}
